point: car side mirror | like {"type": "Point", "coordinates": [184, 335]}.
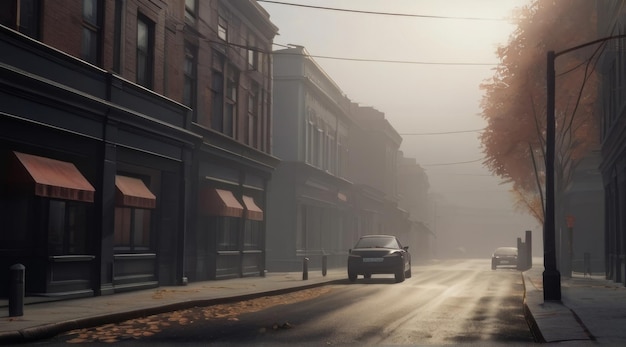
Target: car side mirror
{"type": "Point", "coordinates": [350, 251]}
{"type": "Point", "coordinates": [406, 248]}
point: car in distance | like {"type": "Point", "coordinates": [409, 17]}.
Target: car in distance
{"type": "Point", "coordinates": [504, 256]}
{"type": "Point", "coordinates": [379, 254]}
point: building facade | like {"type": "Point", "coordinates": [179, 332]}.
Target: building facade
{"type": "Point", "coordinates": [414, 187]}
{"type": "Point", "coordinates": [135, 142]}
{"type": "Point", "coordinates": [337, 179]}
{"type": "Point", "coordinates": [373, 167]}
{"type": "Point", "coordinates": [612, 101]}
{"type": "Point", "coordinates": [228, 77]}
{"type": "Point", "coordinates": [310, 193]}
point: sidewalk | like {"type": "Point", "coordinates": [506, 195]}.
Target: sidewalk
{"type": "Point", "coordinates": [592, 310]}
{"type": "Point", "coordinates": [46, 319]}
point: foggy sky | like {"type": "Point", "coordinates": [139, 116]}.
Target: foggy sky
{"type": "Point", "coordinates": [473, 212]}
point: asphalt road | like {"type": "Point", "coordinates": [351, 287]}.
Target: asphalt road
{"type": "Point", "coordinates": [453, 302]}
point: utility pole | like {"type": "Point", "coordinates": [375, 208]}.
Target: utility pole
{"type": "Point", "coordinates": [551, 275]}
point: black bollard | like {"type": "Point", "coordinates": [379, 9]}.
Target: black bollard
{"type": "Point", "coordinates": [324, 265]}
{"type": "Point", "coordinates": [305, 269]}
{"type": "Point", "coordinates": [16, 290]}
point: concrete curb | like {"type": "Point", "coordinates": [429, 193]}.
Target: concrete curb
{"type": "Point", "coordinates": [530, 319]}
{"type": "Point", "coordinates": [50, 330]}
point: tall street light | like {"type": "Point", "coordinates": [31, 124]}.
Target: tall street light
{"type": "Point", "coordinates": [551, 275]}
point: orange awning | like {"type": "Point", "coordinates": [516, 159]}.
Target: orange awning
{"type": "Point", "coordinates": [219, 202]}
{"type": "Point", "coordinates": [53, 178]}
{"type": "Point", "coordinates": [132, 192]}
{"type": "Point", "coordinates": [254, 212]}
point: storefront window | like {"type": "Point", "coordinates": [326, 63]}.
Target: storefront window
{"type": "Point", "coordinates": [227, 229]}
{"type": "Point", "coordinates": [252, 235]}
{"type": "Point", "coordinates": [67, 228]}
{"type": "Point", "coordinates": [132, 229]}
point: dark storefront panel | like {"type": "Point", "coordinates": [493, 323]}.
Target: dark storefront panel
{"type": "Point", "coordinates": [230, 237]}
{"type": "Point", "coordinates": [228, 264]}
{"type": "Point", "coordinates": [50, 202]}
{"type": "Point", "coordinates": [135, 259]}
{"type": "Point", "coordinates": [252, 261]}
{"type": "Point", "coordinates": [70, 275]}
{"type": "Point", "coordinates": [134, 271]}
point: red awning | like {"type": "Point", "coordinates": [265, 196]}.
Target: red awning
{"type": "Point", "coordinates": [132, 192]}
{"type": "Point", "coordinates": [254, 212]}
{"type": "Point", "coordinates": [52, 178]}
{"type": "Point", "coordinates": [219, 202]}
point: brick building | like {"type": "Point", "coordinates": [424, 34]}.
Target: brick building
{"type": "Point", "coordinates": [134, 142]}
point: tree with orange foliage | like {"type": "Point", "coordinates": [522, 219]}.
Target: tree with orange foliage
{"type": "Point", "coordinates": [514, 100]}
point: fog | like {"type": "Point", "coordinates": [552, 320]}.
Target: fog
{"type": "Point", "coordinates": [432, 99]}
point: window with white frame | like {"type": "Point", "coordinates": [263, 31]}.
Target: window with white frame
{"type": "Point", "coordinates": [222, 28]}
{"type": "Point", "coordinates": [252, 52]}
{"type": "Point", "coordinates": [191, 9]}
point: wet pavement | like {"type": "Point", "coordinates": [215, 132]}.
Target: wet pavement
{"type": "Point", "coordinates": [592, 309]}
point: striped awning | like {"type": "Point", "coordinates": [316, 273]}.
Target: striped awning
{"type": "Point", "coordinates": [253, 212]}
{"type": "Point", "coordinates": [219, 202]}
{"type": "Point", "coordinates": [132, 192]}
{"type": "Point", "coordinates": [52, 178]}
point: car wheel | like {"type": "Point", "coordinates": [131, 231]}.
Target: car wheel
{"type": "Point", "coordinates": [351, 276]}
{"type": "Point", "coordinates": [407, 274]}
{"type": "Point", "coordinates": [493, 265]}
{"type": "Point", "coordinates": [400, 274]}
{"type": "Point", "coordinates": [367, 276]}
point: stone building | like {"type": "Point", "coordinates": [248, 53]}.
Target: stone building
{"type": "Point", "coordinates": [337, 179]}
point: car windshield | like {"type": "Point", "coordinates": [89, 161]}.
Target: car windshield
{"type": "Point", "coordinates": [377, 242]}
{"type": "Point", "coordinates": [506, 251]}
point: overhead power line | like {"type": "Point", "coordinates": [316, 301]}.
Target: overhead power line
{"type": "Point", "coordinates": [455, 163]}
{"type": "Point", "coordinates": [387, 60]}
{"type": "Point", "coordinates": [381, 13]}
{"type": "Point", "coordinates": [443, 133]}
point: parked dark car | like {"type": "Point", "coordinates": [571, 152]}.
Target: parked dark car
{"type": "Point", "coordinates": [379, 254]}
{"type": "Point", "coordinates": [504, 256]}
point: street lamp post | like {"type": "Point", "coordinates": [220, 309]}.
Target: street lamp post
{"type": "Point", "coordinates": [551, 275]}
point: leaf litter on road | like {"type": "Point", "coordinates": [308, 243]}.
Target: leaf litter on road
{"type": "Point", "coordinates": [151, 325]}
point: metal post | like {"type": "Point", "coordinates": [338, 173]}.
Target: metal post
{"type": "Point", "coordinates": [324, 265]}
{"type": "Point", "coordinates": [571, 250]}
{"type": "Point", "coordinates": [305, 269]}
{"type": "Point", "coordinates": [551, 276]}
{"type": "Point", "coordinates": [16, 290]}
{"type": "Point", "coordinates": [529, 249]}
{"type": "Point", "coordinates": [521, 258]}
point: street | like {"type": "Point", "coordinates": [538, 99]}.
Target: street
{"type": "Point", "coordinates": [453, 302]}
